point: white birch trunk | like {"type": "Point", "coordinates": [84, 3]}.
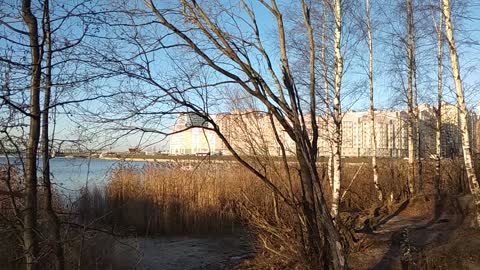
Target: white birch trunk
{"type": "Point", "coordinates": [337, 109]}
{"type": "Point", "coordinates": [330, 167]}
{"type": "Point", "coordinates": [411, 116]}
{"type": "Point", "coordinates": [372, 105]}
{"type": "Point", "coordinates": [418, 186]}
{"type": "Point", "coordinates": [438, 127]}
{"type": "Point", "coordinates": [467, 151]}
{"type": "Point", "coordinates": [326, 93]}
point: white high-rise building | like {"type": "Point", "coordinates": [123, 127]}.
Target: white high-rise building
{"type": "Point", "coordinates": [190, 136]}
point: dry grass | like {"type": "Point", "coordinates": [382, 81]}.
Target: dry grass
{"type": "Point", "coordinates": [210, 199]}
{"type": "Point", "coordinates": [84, 249]}
{"type": "Point", "coordinates": [215, 197]}
{"type": "Point", "coordinates": [157, 200]}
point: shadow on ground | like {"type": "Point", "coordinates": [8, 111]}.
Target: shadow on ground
{"type": "Point", "coordinates": [417, 233]}
{"type": "Point", "coordinates": [187, 253]}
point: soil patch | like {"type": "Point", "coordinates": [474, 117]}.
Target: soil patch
{"type": "Point", "coordinates": [188, 253]}
{"type": "Point", "coordinates": [422, 236]}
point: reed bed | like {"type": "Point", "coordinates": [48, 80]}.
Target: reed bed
{"type": "Point", "coordinates": [159, 200]}
{"type": "Point", "coordinates": [84, 249]}
{"type": "Point", "coordinates": [214, 198]}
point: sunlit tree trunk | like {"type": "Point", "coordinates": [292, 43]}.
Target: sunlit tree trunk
{"type": "Point", "coordinates": [467, 151]}
{"type": "Point", "coordinates": [337, 109]}
{"type": "Point", "coordinates": [30, 241]}
{"type": "Point", "coordinates": [327, 94]}
{"type": "Point", "coordinates": [418, 137]}
{"type": "Point", "coordinates": [411, 116]}
{"type": "Point", "coordinates": [373, 138]}
{"type": "Point", "coordinates": [438, 112]}
{"type": "Point", "coordinates": [53, 221]}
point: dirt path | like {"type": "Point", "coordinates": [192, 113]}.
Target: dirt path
{"type": "Point", "coordinates": [414, 229]}
{"type": "Point", "coordinates": [177, 253]}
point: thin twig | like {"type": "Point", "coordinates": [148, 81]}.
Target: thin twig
{"type": "Point", "coordinates": [351, 182]}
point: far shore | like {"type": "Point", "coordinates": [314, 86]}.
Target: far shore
{"type": "Point", "coordinates": [194, 158]}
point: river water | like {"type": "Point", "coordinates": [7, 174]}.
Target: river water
{"type": "Point", "coordinates": [69, 175]}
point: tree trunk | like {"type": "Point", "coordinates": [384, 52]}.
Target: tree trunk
{"type": "Point", "coordinates": [53, 221]}
{"type": "Point", "coordinates": [373, 138]}
{"type": "Point", "coordinates": [320, 229]}
{"type": "Point", "coordinates": [418, 137]}
{"type": "Point", "coordinates": [337, 110]}
{"type": "Point", "coordinates": [411, 116]}
{"type": "Point", "coordinates": [30, 242]}
{"type": "Point", "coordinates": [467, 151]}
{"type": "Point", "coordinates": [327, 94]}
{"type": "Point", "coordinates": [438, 112]}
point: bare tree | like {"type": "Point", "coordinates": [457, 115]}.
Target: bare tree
{"type": "Point", "coordinates": [30, 242]}
{"type": "Point", "coordinates": [417, 183]}
{"type": "Point", "coordinates": [326, 92]}
{"type": "Point", "coordinates": [410, 98]}
{"type": "Point", "coordinates": [227, 40]}
{"type": "Point", "coordinates": [372, 104]}
{"type": "Point", "coordinates": [54, 237]}
{"type": "Point", "coordinates": [438, 25]}
{"type": "Point", "coordinates": [463, 117]}
{"type": "Point", "coordinates": [29, 43]}
{"type": "Point", "coordinates": [337, 108]}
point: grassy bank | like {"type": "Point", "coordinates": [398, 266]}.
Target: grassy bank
{"type": "Point", "coordinates": [213, 198]}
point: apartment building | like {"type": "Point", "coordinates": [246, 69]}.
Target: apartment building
{"type": "Point", "coordinates": [251, 133]}
{"type": "Point", "coordinates": [191, 137]}
{"type": "Point", "coordinates": [451, 136]}
{"type": "Point", "coordinates": [390, 133]}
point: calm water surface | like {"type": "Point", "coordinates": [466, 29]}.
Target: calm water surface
{"type": "Point", "coordinates": [71, 174]}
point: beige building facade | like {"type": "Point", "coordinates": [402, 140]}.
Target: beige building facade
{"type": "Point", "coordinates": [251, 133]}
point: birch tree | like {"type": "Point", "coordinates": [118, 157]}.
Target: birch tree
{"type": "Point", "coordinates": [373, 140]}
{"type": "Point", "coordinates": [411, 114]}
{"type": "Point", "coordinates": [337, 108]}
{"type": "Point", "coordinates": [463, 112]}
{"type": "Point", "coordinates": [326, 92]}
{"type": "Point", "coordinates": [438, 26]}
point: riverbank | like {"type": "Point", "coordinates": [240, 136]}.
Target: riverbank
{"type": "Point", "coordinates": [210, 159]}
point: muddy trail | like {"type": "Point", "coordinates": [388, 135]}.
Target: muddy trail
{"type": "Point", "coordinates": [421, 235]}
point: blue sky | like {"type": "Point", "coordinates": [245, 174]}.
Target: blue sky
{"type": "Point", "coordinates": [355, 75]}
{"type": "Point", "coordinates": [71, 126]}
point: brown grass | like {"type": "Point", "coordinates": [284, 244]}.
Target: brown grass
{"type": "Point", "coordinates": [213, 197]}
{"type": "Point", "coordinates": [157, 200]}
{"type": "Point", "coordinates": [84, 249]}
{"type": "Point", "coordinates": [216, 198]}
{"type": "Point", "coordinates": [210, 199]}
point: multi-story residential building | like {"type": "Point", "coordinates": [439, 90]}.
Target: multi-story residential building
{"type": "Point", "coordinates": [451, 136]}
{"type": "Point", "coordinates": [190, 136]}
{"type": "Point", "coordinates": [251, 133]}
{"type": "Point", "coordinates": [390, 133]}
